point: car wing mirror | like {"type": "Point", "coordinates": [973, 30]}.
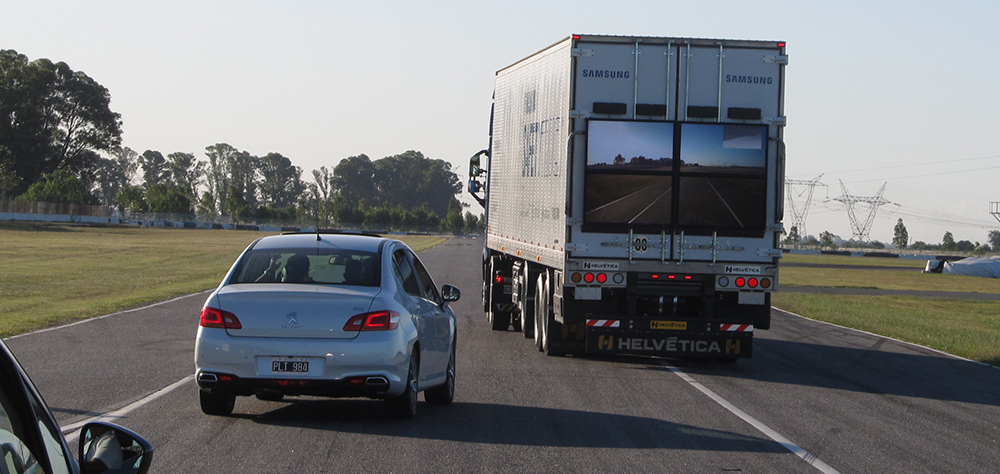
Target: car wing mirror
{"type": "Point", "coordinates": [450, 293]}
{"type": "Point", "coordinates": [106, 447]}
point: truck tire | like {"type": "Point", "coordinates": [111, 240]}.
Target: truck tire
{"type": "Point", "coordinates": [545, 325]}
{"type": "Point", "coordinates": [527, 308]}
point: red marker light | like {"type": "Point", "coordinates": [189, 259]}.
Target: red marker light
{"type": "Point", "coordinates": [576, 37]}
{"type": "Point", "coordinates": [601, 278]}
{"type": "Point", "coordinates": [589, 278]}
{"type": "Point", "coordinates": [688, 277]}
{"type": "Point", "coordinates": [753, 283]}
{"type": "Point", "coordinates": [781, 45]}
{"type": "Point", "coordinates": [741, 281]}
{"type": "Point", "coordinates": [654, 276]}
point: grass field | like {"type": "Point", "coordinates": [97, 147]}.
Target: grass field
{"type": "Point", "coordinates": [57, 273]}
{"type": "Point", "coordinates": [967, 328]}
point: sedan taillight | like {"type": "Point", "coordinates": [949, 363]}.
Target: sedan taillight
{"type": "Point", "coordinates": [373, 321]}
{"type": "Point", "coordinates": [217, 318]}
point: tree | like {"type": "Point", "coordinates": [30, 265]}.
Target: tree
{"type": "Point", "coordinates": [61, 186]}
{"type": "Point", "coordinates": [236, 204]}
{"type": "Point", "coordinates": [411, 179]}
{"type": "Point", "coordinates": [281, 182]}
{"type": "Point", "coordinates": [164, 198]}
{"type": "Point", "coordinates": [154, 168]}
{"type": "Point", "coordinates": [826, 240]}
{"type": "Point", "coordinates": [455, 221]}
{"type": "Point", "coordinates": [353, 179]}
{"type": "Point", "coordinates": [185, 172]}
{"type": "Point", "coordinates": [900, 237]}
{"type": "Point", "coordinates": [793, 237]}
{"type": "Point", "coordinates": [132, 198]}
{"type": "Point", "coordinates": [230, 169]}
{"type": "Point", "coordinates": [52, 117]}
{"type": "Point", "coordinates": [994, 239]}
{"type": "Point", "coordinates": [8, 175]}
{"type": "Point", "coordinates": [948, 242]}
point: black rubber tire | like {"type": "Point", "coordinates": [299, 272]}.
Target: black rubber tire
{"type": "Point", "coordinates": [499, 321]}
{"type": "Point", "coordinates": [445, 393]}
{"type": "Point", "coordinates": [404, 406]}
{"type": "Point", "coordinates": [217, 403]}
{"type": "Point", "coordinates": [270, 396]}
{"type": "Point", "coordinates": [527, 309]}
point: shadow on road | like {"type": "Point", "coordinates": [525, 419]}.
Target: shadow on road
{"type": "Point", "coordinates": [883, 368]}
{"type": "Point", "coordinates": [511, 425]}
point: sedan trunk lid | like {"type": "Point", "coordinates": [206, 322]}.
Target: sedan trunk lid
{"type": "Point", "coordinates": [295, 311]}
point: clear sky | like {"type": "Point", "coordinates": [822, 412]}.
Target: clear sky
{"type": "Point", "coordinates": [897, 92]}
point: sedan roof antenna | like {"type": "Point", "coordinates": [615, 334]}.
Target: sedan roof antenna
{"type": "Point", "coordinates": [317, 234]}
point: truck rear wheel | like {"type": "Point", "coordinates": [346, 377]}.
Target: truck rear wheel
{"type": "Point", "coordinates": [499, 321]}
{"type": "Point", "coordinates": [545, 324]}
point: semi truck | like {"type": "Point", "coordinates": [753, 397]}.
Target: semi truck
{"type": "Point", "coordinates": [632, 189]}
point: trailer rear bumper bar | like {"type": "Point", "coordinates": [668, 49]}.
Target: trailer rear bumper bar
{"type": "Point", "coordinates": [669, 343]}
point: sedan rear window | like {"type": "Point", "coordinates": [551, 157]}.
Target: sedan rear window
{"type": "Point", "coordinates": [337, 267]}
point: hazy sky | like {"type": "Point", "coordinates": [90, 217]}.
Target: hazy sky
{"type": "Point", "coordinates": [897, 92]}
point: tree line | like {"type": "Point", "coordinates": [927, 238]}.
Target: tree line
{"type": "Point", "coordinates": [900, 241]}
{"type": "Point", "coordinates": [61, 142]}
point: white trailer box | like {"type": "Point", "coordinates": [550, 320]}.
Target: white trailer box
{"type": "Point", "coordinates": [635, 182]}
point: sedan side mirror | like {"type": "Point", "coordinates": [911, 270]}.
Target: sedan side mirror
{"type": "Point", "coordinates": [450, 293]}
{"type": "Point", "coordinates": [106, 447]}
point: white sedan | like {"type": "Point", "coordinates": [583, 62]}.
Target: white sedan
{"type": "Point", "coordinates": [332, 315]}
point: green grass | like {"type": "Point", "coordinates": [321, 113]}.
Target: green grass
{"type": "Point", "coordinates": [967, 328]}
{"type": "Point", "coordinates": [57, 273]}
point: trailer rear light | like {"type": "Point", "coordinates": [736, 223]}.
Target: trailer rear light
{"type": "Point", "coordinates": [373, 321]}
{"type": "Point", "coordinates": [217, 318]}
{"type": "Point", "coordinates": [576, 277]}
{"type": "Point", "coordinates": [752, 282]}
{"type": "Point", "coordinates": [723, 281]}
{"type": "Point", "coordinates": [589, 278]}
{"type": "Point", "coordinates": [765, 282]}
{"type": "Point", "coordinates": [741, 282]}
{"type": "Point", "coordinates": [618, 278]}
{"type": "Point", "coordinates": [601, 278]}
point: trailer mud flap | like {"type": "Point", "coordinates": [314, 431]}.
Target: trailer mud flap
{"type": "Point", "coordinates": [670, 345]}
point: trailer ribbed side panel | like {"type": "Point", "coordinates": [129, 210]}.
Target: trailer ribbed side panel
{"type": "Point", "coordinates": [528, 167]}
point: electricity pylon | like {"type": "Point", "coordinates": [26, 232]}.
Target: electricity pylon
{"type": "Point", "coordinates": [799, 213]}
{"type": "Point", "coordinates": [995, 210]}
{"type": "Point", "coordinates": [861, 230]}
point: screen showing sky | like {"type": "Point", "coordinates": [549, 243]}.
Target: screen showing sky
{"type": "Point", "coordinates": [723, 145]}
{"type": "Point", "coordinates": [608, 139]}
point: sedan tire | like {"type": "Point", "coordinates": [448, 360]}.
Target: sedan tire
{"type": "Point", "coordinates": [405, 405]}
{"type": "Point", "coordinates": [217, 403]}
{"type": "Point", "coordinates": [445, 393]}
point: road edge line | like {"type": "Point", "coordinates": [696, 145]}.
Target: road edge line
{"type": "Point", "coordinates": [809, 458]}
{"type": "Point", "coordinates": [95, 318]}
{"type": "Point", "coordinates": [908, 343]}
{"type": "Point", "coordinates": [70, 430]}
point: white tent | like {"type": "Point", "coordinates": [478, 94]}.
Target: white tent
{"type": "Point", "coordinates": [974, 266]}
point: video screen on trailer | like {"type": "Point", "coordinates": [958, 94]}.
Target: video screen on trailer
{"type": "Point", "coordinates": [723, 176]}
{"type": "Point", "coordinates": [629, 173]}
{"type": "Point", "coordinates": [633, 178]}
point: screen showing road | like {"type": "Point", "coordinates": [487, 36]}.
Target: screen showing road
{"type": "Point", "coordinates": [636, 172]}
{"type": "Point", "coordinates": [629, 174]}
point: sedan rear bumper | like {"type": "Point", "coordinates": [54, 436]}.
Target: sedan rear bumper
{"type": "Point", "coordinates": [370, 386]}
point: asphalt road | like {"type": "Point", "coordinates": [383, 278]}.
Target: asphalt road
{"type": "Point", "coordinates": [847, 400]}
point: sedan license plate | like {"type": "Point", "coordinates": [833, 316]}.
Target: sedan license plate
{"type": "Point", "coordinates": [290, 366]}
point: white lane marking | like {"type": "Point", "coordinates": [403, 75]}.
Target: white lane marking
{"type": "Point", "coordinates": [71, 433]}
{"type": "Point", "coordinates": [794, 448]}
{"type": "Point", "coordinates": [76, 323]}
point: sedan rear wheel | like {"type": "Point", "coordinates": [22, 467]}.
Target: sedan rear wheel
{"type": "Point", "coordinates": [405, 405]}
{"type": "Point", "coordinates": [217, 403]}
{"type": "Point", "coordinates": [445, 393]}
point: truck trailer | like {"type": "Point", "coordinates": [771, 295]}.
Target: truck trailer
{"type": "Point", "coordinates": [632, 189]}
